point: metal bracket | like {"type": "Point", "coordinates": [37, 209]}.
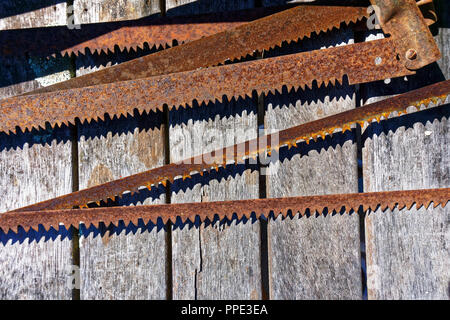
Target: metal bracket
{"type": "Point", "coordinates": [404, 22]}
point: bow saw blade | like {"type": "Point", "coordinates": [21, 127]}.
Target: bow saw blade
{"type": "Point", "coordinates": [226, 209]}
{"type": "Point", "coordinates": [424, 97]}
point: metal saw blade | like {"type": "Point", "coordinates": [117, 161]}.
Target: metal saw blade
{"type": "Point", "coordinates": [154, 31]}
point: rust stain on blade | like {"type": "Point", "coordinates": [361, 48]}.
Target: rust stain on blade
{"type": "Point", "coordinates": [249, 149]}
{"type": "Point", "coordinates": [362, 62]}
{"type": "Point", "coordinates": [268, 32]}
{"type": "Point", "coordinates": [97, 37]}
{"type": "Point", "coordinates": [403, 20]}
{"type": "Point", "coordinates": [226, 209]}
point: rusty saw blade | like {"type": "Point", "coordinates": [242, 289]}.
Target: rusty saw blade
{"type": "Point", "coordinates": [289, 25]}
{"type": "Point", "coordinates": [132, 34]}
{"type": "Point", "coordinates": [338, 203]}
{"type": "Point", "coordinates": [424, 97]}
{"type": "Point", "coordinates": [364, 62]}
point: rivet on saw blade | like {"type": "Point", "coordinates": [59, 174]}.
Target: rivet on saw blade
{"type": "Point", "coordinates": [411, 54]}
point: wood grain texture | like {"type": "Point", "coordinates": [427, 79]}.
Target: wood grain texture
{"type": "Point", "coordinates": [92, 11]}
{"type": "Point", "coordinates": [33, 167]}
{"type": "Point", "coordinates": [122, 262]}
{"type": "Point", "coordinates": [314, 257]}
{"type": "Point", "coordinates": [408, 251]}
{"type": "Point", "coordinates": [219, 260]}
{"type": "Point", "coordinates": [19, 14]}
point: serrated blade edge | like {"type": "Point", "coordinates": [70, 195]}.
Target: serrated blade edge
{"type": "Point", "coordinates": [224, 209]}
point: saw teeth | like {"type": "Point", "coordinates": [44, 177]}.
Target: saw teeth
{"type": "Point", "coordinates": [313, 209]}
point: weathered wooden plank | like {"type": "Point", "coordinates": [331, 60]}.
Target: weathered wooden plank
{"type": "Point", "coordinates": [130, 263]}
{"type": "Point", "coordinates": [88, 11]}
{"type": "Point", "coordinates": [22, 74]}
{"type": "Point", "coordinates": [267, 3]}
{"type": "Point", "coordinates": [33, 172]}
{"type": "Point", "coordinates": [121, 263]}
{"type": "Point", "coordinates": [34, 167]}
{"type": "Point", "coordinates": [314, 257]}
{"type": "Point", "coordinates": [214, 261]}
{"type": "Point", "coordinates": [408, 251]}
{"type": "Point", "coordinates": [19, 14]}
